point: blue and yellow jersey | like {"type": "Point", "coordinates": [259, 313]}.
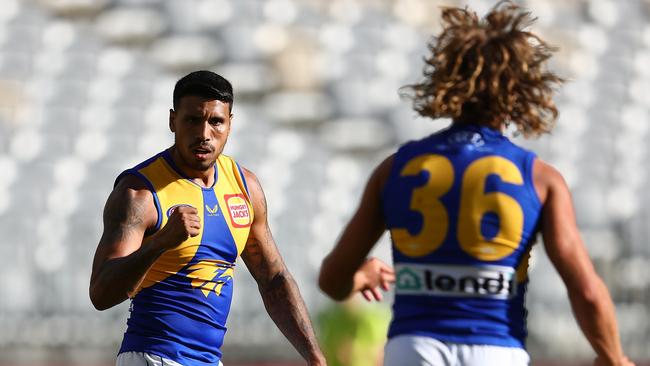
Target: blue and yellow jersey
{"type": "Point", "coordinates": [463, 214]}
{"type": "Point", "coordinates": [180, 309]}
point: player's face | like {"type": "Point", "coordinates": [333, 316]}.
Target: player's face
{"type": "Point", "coordinates": [201, 127]}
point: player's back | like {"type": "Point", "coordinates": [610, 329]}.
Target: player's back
{"type": "Point", "coordinates": [462, 211]}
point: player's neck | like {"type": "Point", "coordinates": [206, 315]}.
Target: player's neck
{"type": "Point", "coordinates": [203, 178]}
{"type": "Point", "coordinates": [495, 124]}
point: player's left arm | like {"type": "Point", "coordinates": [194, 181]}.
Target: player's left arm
{"type": "Point", "coordinates": [278, 288]}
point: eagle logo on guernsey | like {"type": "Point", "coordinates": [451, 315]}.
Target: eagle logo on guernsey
{"type": "Point", "coordinates": [238, 210]}
{"type": "Point", "coordinates": [210, 276]}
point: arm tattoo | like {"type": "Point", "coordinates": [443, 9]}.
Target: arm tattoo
{"type": "Point", "coordinates": [120, 261]}
{"type": "Point", "coordinates": [287, 309]}
{"type": "Point", "coordinates": [280, 295]}
{"type": "Point", "coordinates": [279, 291]}
{"type": "Point", "coordinates": [122, 215]}
{"type": "Point", "coordinates": [261, 266]}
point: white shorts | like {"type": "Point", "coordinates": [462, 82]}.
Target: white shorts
{"type": "Point", "coordinates": [145, 359]}
{"type": "Point", "coordinates": [407, 350]}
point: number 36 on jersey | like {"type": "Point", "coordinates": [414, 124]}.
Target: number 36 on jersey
{"type": "Point", "coordinates": [474, 204]}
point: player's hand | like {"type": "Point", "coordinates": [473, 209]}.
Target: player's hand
{"type": "Point", "coordinates": [599, 361]}
{"type": "Point", "coordinates": [372, 276]}
{"type": "Point", "coordinates": [182, 224]}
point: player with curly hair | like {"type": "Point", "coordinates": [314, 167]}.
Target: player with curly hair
{"type": "Point", "coordinates": [464, 206]}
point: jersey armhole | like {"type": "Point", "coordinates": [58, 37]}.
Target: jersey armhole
{"type": "Point", "coordinates": [150, 188]}
{"type": "Point", "coordinates": [243, 178]}
{"type": "Point", "coordinates": [529, 164]}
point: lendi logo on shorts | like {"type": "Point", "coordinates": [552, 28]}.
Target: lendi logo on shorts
{"type": "Point", "coordinates": [496, 282]}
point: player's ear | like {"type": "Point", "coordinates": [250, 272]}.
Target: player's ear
{"type": "Point", "coordinates": [172, 116]}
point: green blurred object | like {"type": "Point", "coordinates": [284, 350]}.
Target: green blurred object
{"type": "Point", "coordinates": [353, 333]}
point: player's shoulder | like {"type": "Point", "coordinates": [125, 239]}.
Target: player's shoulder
{"type": "Point", "coordinates": [249, 175]}
{"type": "Point", "coordinates": [384, 168]}
{"type": "Point", "coordinates": [425, 142]}
{"type": "Point", "coordinates": [253, 184]}
{"type": "Point", "coordinates": [131, 195]}
{"type": "Point", "coordinates": [231, 166]}
{"type": "Point", "coordinates": [132, 187]}
{"type": "Point", "coordinates": [381, 174]}
{"type": "Point", "coordinates": [226, 158]}
{"type": "Point", "coordinates": [546, 178]}
{"type": "Point", "coordinates": [131, 182]}
{"type": "Point", "coordinates": [545, 171]}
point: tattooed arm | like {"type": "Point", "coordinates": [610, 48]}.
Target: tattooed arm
{"type": "Point", "coordinates": [122, 258]}
{"type": "Point", "coordinates": [277, 287]}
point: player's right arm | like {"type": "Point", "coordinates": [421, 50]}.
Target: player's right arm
{"type": "Point", "coordinates": [589, 297]}
{"type": "Point", "coordinates": [123, 256]}
{"type": "Point", "coordinates": [346, 269]}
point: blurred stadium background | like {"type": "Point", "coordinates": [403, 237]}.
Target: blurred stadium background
{"type": "Point", "coordinates": [85, 88]}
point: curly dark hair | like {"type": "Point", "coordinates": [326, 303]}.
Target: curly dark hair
{"type": "Point", "coordinates": [488, 71]}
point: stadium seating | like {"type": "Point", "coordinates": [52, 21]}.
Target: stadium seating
{"type": "Point", "coordinates": [85, 89]}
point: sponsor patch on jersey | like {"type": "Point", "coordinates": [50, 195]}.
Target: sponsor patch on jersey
{"type": "Point", "coordinates": [238, 210]}
{"type": "Point", "coordinates": [493, 282]}
{"type": "Point", "coordinates": [171, 210]}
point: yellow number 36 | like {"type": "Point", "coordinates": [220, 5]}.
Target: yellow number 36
{"type": "Point", "coordinates": [474, 204]}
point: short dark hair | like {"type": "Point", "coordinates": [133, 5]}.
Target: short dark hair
{"type": "Point", "coordinates": [205, 84]}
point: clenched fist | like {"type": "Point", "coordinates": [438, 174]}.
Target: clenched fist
{"type": "Point", "coordinates": [182, 224]}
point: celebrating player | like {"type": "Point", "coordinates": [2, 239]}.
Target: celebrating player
{"type": "Point", "coordinates": [173, 228]}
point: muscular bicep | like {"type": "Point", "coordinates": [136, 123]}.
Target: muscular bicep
{"type": "Point", "coordinates": [362, 231]}
{"type": "Point", "coordinates": [128, 213]}
{"type": "Point", "coordinates": [260, 254]}
{"type": "Point", "coordinates": [562, 239]}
